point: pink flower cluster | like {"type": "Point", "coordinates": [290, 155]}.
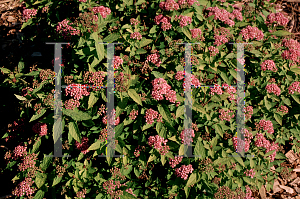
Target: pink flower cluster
{"type": "Point", "coordinates": [117, 61]}
{"type": "Point", "coordinates": [134, 21]}
{"type": "Point", "coordinates": [188, 2]}
{"type": "Point", "coordinates": [130, 191]}
{"type": "Point", "coordinates": [224, 15]}
{"type": "Point", "coordinates": [71, 104]}
{"type": "Point", "coordinates": [24, 188]}
{"type": "Point", "coordinates": [110, 187]}
{"type": "Point", "coordinates": [248, 193]}
{"type": "Point", "coordinates": [65, 28]}
{"type": "Point", "coordinates": [267, 125]}
{"type": "Point", "coordinates": [94, 78]}
{"type": "Point", "coordinates": [25, 91]}
{"type": "Point", "coordinates": [238, 143]}
{"type": "Point", "coordinates": [154, 58]}
{"type": "Point", "coordinates": [221, 36]}
{"type": "Point", "coordinates": [187, 136]}
{"type": "Point", "coordinates": [273, 88]}
{"type": "Point", "coordinates": [196, 32]}
{"type": "Point", "coordinates": [29, 13]}
{"type": "Point", "coordinates": [230, 90]}
{"type": "Point", "coordinates": [183, 171]}
{"type": "Point", "coordinates": [165, 22]}
{"type": "Point", "coordinates": [84, 1]}
{"type": "Point", "coordinates": [19, 151]}
{"type": "Point", "coordinates": [133, 114]}
{"type": "Point", "coordinates": [180, 75]}
{"type": "Point", "coordinates": [225, 115]}
{"type": "Point", "coordinates": [213, 51]}
{"type": "Point", "coordinates": [268, 65]}
{"type": "Point", "coordinates": [151, 115]}
{"type": "Point", "coordinates": [294, 87]}
{"type": "Point", "coordinates": [137, 151]}
{"type": "Point", "coordinates": [158, 142]}
{"type": "Point", "coordinates": [160, 88]}
{"type": "Point", "coordinates": [136, 35]}
{"type": "Point", "coordinates": [83, 146]}
{"type": "Point", "coordinates": [169, 5]}
{"type": "Point", "coordinates": [250, 173]}
{"type": "Point", "coordinates": [102, 10]}
{"type": "Point", "coordinates": [263, 142]}
{"type": "Point", "coordinates": [252, 33]}
{"type": "Point", "coordinates": [184, 20]}
{"type": "Point", "coordinates": [283, 109]}
{"type": "Point", "coordinates": [216, 89]}
{"type": "Point", "coordinates": [40, 129]}
{"type": "Point", "coordinates": [81, 194]}
{"type": "Point", "coordinates": [293, 53]}
{"type": "Point", "coordinates": [175, 161]}
{"type": "Point", "coordinates": [112, 119]}
{"type": "Point", "coordinates": [29, 161]}
{"type": "Point", "coordinates": [278, 17]}
{"type": "Point", "coordinates": [77, 91]}
{"type": "Point", "coordinates": [248, 112]}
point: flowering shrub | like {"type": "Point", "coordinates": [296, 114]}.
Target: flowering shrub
{"type": "Point", "coordinates": [149, 100]}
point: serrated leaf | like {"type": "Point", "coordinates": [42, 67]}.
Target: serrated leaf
{"type": "Point", "coordinates": [219, 130]}
{"type": "Point", "coordinates": [56, 180]}
{"type": "Point", "coordinates": [74, 131]}
{"type": "Point", "coordinates": [111, 38]}
{"type": "Point", "coordinates": [153, 29]}
{"type": "Point", "coordinates": [144, 42]}
{"type": "Point", "coordinates": [278, 118]}
{"type": "Point", "coordinates": [269, 153]}
{"type": "Point", "coordinates": [238, 159]}
{"type": "Point", "coordinates": [39, 195]}
{"type": "Point", "coordinates": [141, 51]}
{"type": "Point", "coordinates": [163, 159]}
{"type": "Point", "coordinates": [281, 33]}
{"type": "Point", "coordinates": [296, 98]}
{"type": "Point", "coordinates": [76, 114]}
{"type": "Point", "coordinates": [27, 23]}
{"type": "Point", "coordinates": [200, 150]}
{"type": "Point", "coordinates": [192, 179]}
{"type": "Point", "coordinates": [157, 74]}
{"type": "Point", "coordinates": [46, 162]}
{"type": "Point", "coordinates": [5, 70]}
{"type": "Point", "coordinates": [197, 107]}
{"type": "Point", "coordinates": [36, 146]}
{"type": "Point", "coordinates": [133, 94]}
{"type": "Point", "coordinates": [164, 111]}
{"type": "Point", "coordinates": [40, 179]}
{"type": "Point", "coordinates": [92, 100]}
{"type": "Point", "coordinates": [187, 32]}
{"type": "Point", "coordinates": [35, 117]}
{"type": "Point", "coordinates": [95, 146]}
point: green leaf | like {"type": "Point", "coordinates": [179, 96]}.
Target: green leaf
{"type": "Point", "coordinates": [180, 111]}
{"type": "Point", "coordinates": [163, 159]}
{"type": "Point", "coordinates": [296, 98]}
{"type": "Point", "coordinates": [140, 2]}
{"type": "Point", "coordinates": [127, 195]}
{"type": "Point", "coordinates": [20, 66]}
{"type": "Point", "coordinates": [267, 103]}
{"type": "Point", "coordinates": [199, 149]}
{"type": "Point", "coordinates": [160, 129]}
{"type": "Point", "coordinates": [74, 131]}
{"type": "Point", "coordinates": [181, 149]}
{"type": "Point", "coordinates": [39, 195]}
{"type": "Point", "coordinates": [295, 69]}
{"type": "Point", "coordinates": [157, 74]}
{"type": "Point", "coordinates": [119, 129]}
{"type": "Point", "coordinates": [151, 158]}
{"type": "Point", "coordinates": [57, 129]}
{"type": "Point", "coordinates": [133, 94]}
{"type": "Point", "coordinates": [40, 179]}
{"type": "Point", "coordinates": [56, 180]}
{"type": "Point", "coordinates": [99, 47]}
{"type": "Point", "coordinates": [238, 159]}
{"type": "Point", "coordinates": [27, 23]}
{"type": "Point", "coordinates": [280, 155]}
{"type": "Point", "coordinates": [141, 51]}
{"type": "Point", "coordinates": [187, 191]}
{"type": "Point", "coordinates": [197, 107]}
{"type": "Point", "coordinates": [144, 42]}
{"type": "Point", "coordinates": [164, 111]}
{"type": "Point", "coordinates": [278, 118]}
{"type": "Point", "coordinates": [147, 126]}
{"type": "Point", "coordinates": [36, 146]}
{"type": "Point", "coordinates": [269, 153]}
{"type": "Point", "coordinates": [92, 100]}
{"type": "Point", "coordinates": [192, 179]}
{"type": "Point", "coordinates": [95, 146]}
{"type": "Point", "coordinates": [187, 32]}
{"type": "Point", "coordinates": [252, 163]}
{"type": "Point", "coordinates": [35, 117]}
{"type": "Point", "coordinates": [46, 162]}
{"type": "Point", "coordinates": [5, 70]}
{"type": "Point", "coordinates": [20, 97]}
{"type": "Point", "coordinates": [111, 38]}
{"type": "Point", "coordinates": [219, 130]}
{"type": "Point", "coordinates": [153, 29]}
{"type": "Point", "coordinates": [281, 33]}
{"type": "Point", "coordinates": [76, 114]}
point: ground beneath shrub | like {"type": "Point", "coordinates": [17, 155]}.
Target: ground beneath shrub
{"type": "Point", "coordinates": [286, 186]}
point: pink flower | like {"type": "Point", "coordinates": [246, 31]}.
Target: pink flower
{"type": "Point", "coordinates": [195, 32]}
{"type": "Point", "coordinates": [213, 51]}
{"type": "Point", "coordinates": [183, 171]}
{"type": "Point", "coordinates": [278, 17]}
{"type": "Point", "coordinates": [134, 21]}
{"type": "Point", "coordinates": [261, 141]}
{"type": "Point", "coordinates": [117, 62]}
{"type": "Point", "coordinates": [184, 20]}
{"type": "Point", "coordinates": [158, 142]}
{"type": "Point", "coordinates": [216, 89]}
{"type": "Point", "coordinates": [294, 87]}
{"type": "Point", "coordinates": [151, 115]}
{"type": "Point", "coordinates": [40, 129]}
{"type": "Point", "coordinates": [137, 152]}
{"type": "Point", "coordinates": [250, 173]}
{"type": "Point", "coordinates": [111, 119]}
{"type": "Point", "coordinates": [248, 112]}
{"type": "Point", "coordinates": [154, 58]}
{"type": "Point", "coordinates": [83, 146]}
{"type": "Point", "coordinates": [29, 161]}
{"type": "Point", "coordinates": [66, 29]}
{"type": "Point", "coordinates": [283, 109]}
{"type": "Point", "coordinates": [165, 22]}
{"type": "Point", "coordinates": [24, 188]}
{"type": "Point", "coordinates": [160, 88]}
{"type": "Point", "coordinates": [252, 33]}
{"type": "Point", "coordinates": [77, 91]}
{"type": "Point", "coordinates": [267, 126]}
{"type": "Point", "coordinates": [19, 151]}
{"type": "Point", "coordinates": [224, 115]}
{"type": "Point", "coordinates": [175, 161]}
{"type": "Point", "coordinates": [84, 1]}
{"type": "Point", "coordinates": [169, 5]}
{"type": "Point", "coordinates": [136, 35]}
{"type": "Point", "coordinates": [222, 15]}
{"type": "Point", "coordinates": [273, 88]}
{"type": "Point", "coordinates": [133, 114]}
{"type": "Point", "coordinates": [268, 65]}
{"type": "Point", "coordinates": [102, 10]}
{"type": "Point", "coordinates": [187, 136]}
{"type": "Point", "coordinates": [130, 191]}
{"type": "Point", "coordinates": [71, 104]}
{"type": "Point", "coordinates": [29, 13]}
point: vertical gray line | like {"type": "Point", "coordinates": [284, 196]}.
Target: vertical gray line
{"type": "Point", "coordinates": [57, 103]}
